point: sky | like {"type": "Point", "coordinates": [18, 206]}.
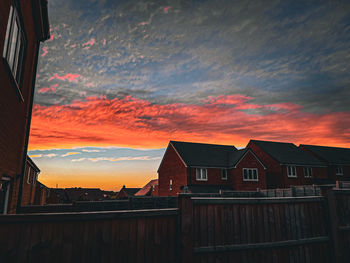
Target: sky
{"type": "Point", "coordinates": [118, 79]}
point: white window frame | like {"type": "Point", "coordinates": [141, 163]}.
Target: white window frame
{"type": "Point", "coordinates": [201, 174]}
{"type": "Point", "coordinates": [170, 185]}
{"type": "Point", "coordinates": [291, 171]}
{"type": "Point", "coordinates": [248, 174]}
{"type": "Point", "coordinates": [28, 176]}
{"type": "Point", "coordinates": [307, 172]}
{"type": "Point", "coordinates": [339, 170]}
{"type": "Point", "coordinates": [224, 174]}
{"type": "Point", "coordinates": [14, 45]}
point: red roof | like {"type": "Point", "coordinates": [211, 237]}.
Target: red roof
{"type": "Point", "coordinates": [146, 190]}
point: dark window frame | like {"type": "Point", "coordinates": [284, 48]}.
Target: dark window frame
{"type": "Point", "coordinates": [16, 74]}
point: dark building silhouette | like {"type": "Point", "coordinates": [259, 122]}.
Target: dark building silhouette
{"type": "Point", "coordinates": [23, 25]}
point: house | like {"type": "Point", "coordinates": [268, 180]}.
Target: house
{"type": "Point", "coordinates": [84, 194]}
{"type": "Point", "coordinates": [29, 183]}
{"type": "Point", "coordinates": [287, 164]}
{"type": "Point", "coordinates": [150, 189]}
{"type": "Point", "coordinates": [127, 192]}
{"type": "Point", "coordinates": [336, 158]}
{"type": "Point", "coordinates": [57, 196]}
{"type": "Point", "coordinates": [41, 193]}
{"type": "Point", "coordinates": [23, 24]}
{"type": "Point", "coordinates": [208, 168]}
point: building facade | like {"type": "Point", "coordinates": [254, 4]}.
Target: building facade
{"type": "Point", "coordinates": [23, 25]}
{"type": "Point", "coordinates": [287, 165]}
{"type": "Point", "coordinates": [337, 160]}
{"type": "Point", "coordinates": [208, 168]}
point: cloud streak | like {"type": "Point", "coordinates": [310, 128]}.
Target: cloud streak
{"type": "Point", "coordinates": [232, 119]}
{"type": "Point", "coordinates": [118, 159]}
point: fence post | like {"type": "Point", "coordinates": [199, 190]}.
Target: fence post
{"type": "Point", "coordinates": [333, 219]}
{"type": "Point", "coordinates": [186, 228]}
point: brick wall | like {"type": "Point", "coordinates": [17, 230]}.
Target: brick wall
{"type": "Point", "coordinates": [171, 168]}
{"type": "Point", "coordinates": [214, 177]}
{"type": "Point", "coordinates": [249, 161]}
{"type": "Point", "coordinates": [274, 177]}
{"type": "Point", "coordinates": [14, 110]}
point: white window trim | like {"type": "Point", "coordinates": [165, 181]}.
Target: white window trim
{"type": "Point", "coordinates": [14, 60]}
{"type": "Point", "coordinates": [170, 185]}
{"type": "Point", "coordinates": [250, 180]}
{"type": "Point", "coordinates": [306, 172]}
{"type": "Point", "coordinates": [28, 176]}
{"type": "Point", "coordinates": [224, 172]}
{"type": "Point", "coordinates": [341, 170]}
{"type": "Point", "coordinates": [292, 175]}
{"type": "Point", "coordinates": [200, 172]}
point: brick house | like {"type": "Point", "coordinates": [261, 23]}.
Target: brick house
{"type": "Point", "coordinates": [23, 24]}
{"type": "Point", "coordinates": [208, 168]}
{"type": "Point", "coordinates": [150, 189]}
{"type": "Point", "coordinates": [41, 193]}
{"type": "Point", "coordinates": [127, 192]}
{"type": "Point", "coordinates": [29, 183]}
{"type": "Point", "coordinates": [337, 160]}
{"type": "Point", "coordinates": [287, 164]}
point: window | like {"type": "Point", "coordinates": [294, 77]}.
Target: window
{"type": "Point", "coordinates": [250, 174]}
{"type": "Point", "coordinates": [14, 45]}
{"type": "Point", "coordinates": [308, 171]}
{"type": "Point", "coordinates": [201, 174]}
{"type": "Point", "coordinates": [291, 171]}
{"type": "Point", "coordinates": [171, 185]}
{"type": "Point", "coordinates": [28, 176]}
{"type": "Point", "coordinates": [339, 170]}
{"type": "Point", "coordinates": [224, 174]}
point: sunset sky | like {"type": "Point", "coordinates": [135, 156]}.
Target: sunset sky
{"type": "Point", "coordinates": [119, 79]}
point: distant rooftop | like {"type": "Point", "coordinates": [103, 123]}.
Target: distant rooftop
{"type": "Point", "coordinates": [287, 153]}
{"type": "Point", "coordinates": [332, 155]}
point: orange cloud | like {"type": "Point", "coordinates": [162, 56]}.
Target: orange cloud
{"type": "Point", "coordinates": [134, 122]}
{"type": "Point", "coordinates": [52, 88]}
{"type": "Point", "coordinates": [70, 77]}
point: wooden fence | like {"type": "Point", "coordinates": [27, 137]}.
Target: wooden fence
{"type": "Point", "coordinates": [254, 230]}
{"type": "Point", "coordinates": [122, 236]}
{"type": "Point", "coordinates": [202, 229]}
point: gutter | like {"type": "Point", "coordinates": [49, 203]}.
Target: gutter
{"type": "Point", "coordinates": [29, 119]}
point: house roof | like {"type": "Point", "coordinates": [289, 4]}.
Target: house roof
{"type": "Point", "coordinates": [84, 194]}
{"type": "Point", "coordinates": [201, 154]}
{"type": "Point", "coordinates": [147, 188]}
{"type": "Point", "coordinates": [332, 155]}
{"type": "Point", "coordinates": [32, 164]}
{"type": "Point", "coordinates": [130, 191]}
{"type": "Point", "coordinates": [287, 153]}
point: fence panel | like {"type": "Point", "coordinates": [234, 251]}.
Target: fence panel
{"type": "Point", "coordinates": [255, 230]}
{"type": "Point", "coordinates": [122, 236]}
{"type": "Point", "coordinates": [339, 200]}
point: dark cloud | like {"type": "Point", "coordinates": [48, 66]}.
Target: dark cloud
{"type": "Point", "coordinates": [184, 51]}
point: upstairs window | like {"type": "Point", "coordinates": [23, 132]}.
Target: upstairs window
{"type": "Point", "coordinates": [224, 174]}
{"type": "Point", "coordinates": [339, 170]}
{"type": "Point", "coordinates": [14, 45]}
{"type": "Point", "coordinates": [308, 171]}
{"type": "Point", "coordinates": [170, 185]}
{"type": "Point", "coordinates": [291, 171]}
{"type": "Point", "coordinates": [28, 176]}
{"type": "Point", "coordinates": [201, 174]}
{"type": "Point", "coordinates": [250, 174]}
